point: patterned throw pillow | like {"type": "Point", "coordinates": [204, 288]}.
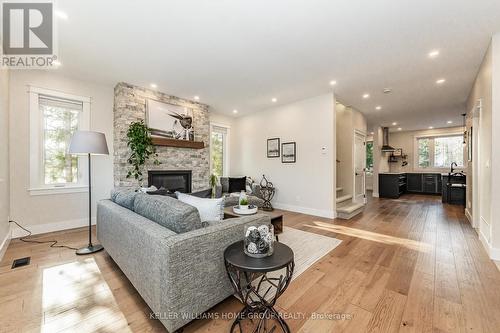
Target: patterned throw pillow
{"type": "Point", "coordinates": [209, 209]}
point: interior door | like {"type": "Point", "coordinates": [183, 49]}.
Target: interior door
{"type": "Point", "coordinates": [359, 194]}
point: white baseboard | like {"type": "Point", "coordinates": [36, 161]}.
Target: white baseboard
{"type": "Point", "coordinates": [493, 252]}
{"type": "Point", "coordinates": [37, 229]}
{"type": "Point", "coordinates": [468, 215]}
{"type": "Point", "coordinates": [306, 210]}
{"type": "Point", "coordinates": [4, 245]}
{"type": "Point", "coordinates": [375, 194]}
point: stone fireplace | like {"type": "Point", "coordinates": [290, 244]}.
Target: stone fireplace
{"type": "Point", "coordinates": [171, 180]}
{"type": "Point", "coordinates": [129, 106]}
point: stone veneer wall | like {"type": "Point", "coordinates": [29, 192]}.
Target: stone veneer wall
{"type": "Point", "coordinates": [130, 106]}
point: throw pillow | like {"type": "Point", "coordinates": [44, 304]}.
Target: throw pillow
{"type": "Point", "coordinates": [224, 182]}
{"type": "Point", "coordinates": [209, 209]}
{"type": "Point", "coordinates": [124, 197]}
{"type": "Point", "coordinates": [168, 212]}
{"type": "Point", "coordinates": [237, 184]}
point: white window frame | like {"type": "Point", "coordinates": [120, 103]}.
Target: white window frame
{"type": "Point", "coordinates": [431, 152]}
{"type": "Point", "coordinates": [37, 184]}
{"type": "Point", "coordinates": [225, 148]}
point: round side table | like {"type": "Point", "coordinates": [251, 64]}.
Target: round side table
{"type": "Point", "coordinates": [255, 285]}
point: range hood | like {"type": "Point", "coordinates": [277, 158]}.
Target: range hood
{"type": "Point", "coordinates": [385, 140]}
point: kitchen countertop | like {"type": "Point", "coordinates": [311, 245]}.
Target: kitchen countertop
{"type": "Point", "coordinates": [423, 172]}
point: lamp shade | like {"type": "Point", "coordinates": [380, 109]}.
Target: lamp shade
{"type": "Point", "coordinates": [88, 142]}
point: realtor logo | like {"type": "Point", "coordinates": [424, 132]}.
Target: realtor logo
{"type": "Point", "coordinates": [27, 34]}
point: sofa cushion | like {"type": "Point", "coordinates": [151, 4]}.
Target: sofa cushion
{"type": "Point", "coordinates": [209, 209]}
{"type": "Point", "coordinates": [124, 197]}
{"type": "Point", "coordinates": [237, 184]}
{"type": "Point", "coordinates": [168, 212]}
{"type": "Point", "coordinates": [224, 182]}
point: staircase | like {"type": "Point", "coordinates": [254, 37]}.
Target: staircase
{"type": "Point", "coordinates": [346, 208]}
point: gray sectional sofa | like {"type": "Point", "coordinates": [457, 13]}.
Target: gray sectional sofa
{"type": "Point", "coordinates": [254, 196]}
{"type": "Point", "coordinates": [173, 260]}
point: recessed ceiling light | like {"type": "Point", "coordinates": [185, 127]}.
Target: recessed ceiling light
{"type": "Point", "coordinates": [449, 122]}
{"type": "Point", "coordinates": [196, 98]}
{"type": "Point", "coordinates": [441, 81]}
{"type": "Point", "coordinates": [365, 96]}
{"type": "Point", "coordinates": [235, 111]}
{"type": "Point", "coordinates": [433, 53]}
{"type": "Point", "coordinates": [431, 127]}
{"type": "Point", "coordinates": [394, 123]}
{"type": "Point", "coordinates": [387, 90]}
{"type": "Point", "coordinates": [153, 85]}
{"type": "Point", "coordinates": [378, 108]}
{"type": "Point", "coordinates": [372, 133]}
{"type": "Point", "coordinates": [333, 82]}
{"type": "Point", "coordinates": [61, 15]}
{"type": "Point", "coordinates": [274, 100]}
{"type": "Point", "coordinates": [399, 128]}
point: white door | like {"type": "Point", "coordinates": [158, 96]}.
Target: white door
{"type": "Point", "coordinates": [359, 167]}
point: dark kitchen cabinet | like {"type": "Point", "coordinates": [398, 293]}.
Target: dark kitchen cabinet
{"type": "Point", "coordinates": [392, 185]}
{"type": "Point", "coordinates": [414, 182]}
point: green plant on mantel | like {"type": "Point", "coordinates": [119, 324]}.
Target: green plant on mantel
{"type": "Point", "coordinates": [140, 143]}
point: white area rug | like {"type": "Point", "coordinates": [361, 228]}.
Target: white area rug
{"type": "Point", "coordinates": [307, 247]}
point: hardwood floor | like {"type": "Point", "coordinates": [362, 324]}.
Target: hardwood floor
{"type": "Point", "coordinates": [407, 265]}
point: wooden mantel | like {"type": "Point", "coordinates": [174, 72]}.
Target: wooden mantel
{"type": "Point", "coordinates": [168, 142]}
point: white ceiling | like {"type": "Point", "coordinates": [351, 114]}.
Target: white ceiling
{"type": "Point", "coordinates": [238, 54]}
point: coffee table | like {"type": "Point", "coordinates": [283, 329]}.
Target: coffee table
{"type": "Point", "coordinates": [276, 217]}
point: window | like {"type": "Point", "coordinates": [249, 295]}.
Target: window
{"type": "Point", "coordinates": [54, 117]}
{"type": "Point", "coordinates": [439, 152]}
{"type": "Point", "coordinates": [369, 155]}
{"type": "Point", "coordinates": [219, 161]}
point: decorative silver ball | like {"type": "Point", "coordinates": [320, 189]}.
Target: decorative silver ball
{"type": "Point", "coordinates": [252, 248]}
{"type": "Point", "coordinates": [263, 230]}
{"type": "Point", "coordinates": [268, 238]}
{"type": "Point", "coordinates": [249, 230]}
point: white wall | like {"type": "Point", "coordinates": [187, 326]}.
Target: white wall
{"type": "Point", "coordinates": [58, 211]}
{"type": "Point", "coordinates": [495, 149]}
{"type": "Point", "coordinates": [379, 159]}
{"type": "Point", "coordinates": [4, 161]}
{"type": "Point", "coordinates": [482, 89]}
{"type": "Point", "coordinates": [406, 141]}
{"type": "Point", "coordinates": [309, 184]}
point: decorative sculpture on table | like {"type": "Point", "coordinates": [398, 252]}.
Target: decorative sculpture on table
{"type": "Point", "coordinates": [267, 192]}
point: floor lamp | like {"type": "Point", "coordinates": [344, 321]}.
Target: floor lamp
{"type": "Point", "coordinates": [89, 143]}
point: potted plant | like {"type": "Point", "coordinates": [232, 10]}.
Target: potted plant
{"type": "Point", "coordinates": [213, 184]}
{"type": "Point", "coordinates": [243, 201]}
{"type": "Point", "coordinates": [142, 149]}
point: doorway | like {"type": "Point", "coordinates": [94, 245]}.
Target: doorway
{"type": "Point", "coordinates": [359, 155]}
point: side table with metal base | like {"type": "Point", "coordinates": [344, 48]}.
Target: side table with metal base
{"type": "Point", "coordinates": [256, 288]}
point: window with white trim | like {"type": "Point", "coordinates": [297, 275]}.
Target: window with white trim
{"type": "Point", "coordinates": [219, 150]}
{"type": "Point", "coordinates": [54, 117]}
{"type": "Point", "coordinates": [438, 152]}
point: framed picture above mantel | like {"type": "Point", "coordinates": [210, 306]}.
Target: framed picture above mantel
{"type": "Point", "coordinates": [169, 120]}
{"type": "Point", "coordinates": [288, 152]}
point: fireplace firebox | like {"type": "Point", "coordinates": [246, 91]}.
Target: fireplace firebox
{"type": "Point", "coordinates": [172, 180]}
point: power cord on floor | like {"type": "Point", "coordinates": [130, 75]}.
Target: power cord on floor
{"type": "Point", "coordinates": [54, 242]}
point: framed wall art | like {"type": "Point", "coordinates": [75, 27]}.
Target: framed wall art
{"type": "Point", "coordinates": [288, 152]}
{"type": "Point", "coordinates": [273, 147]}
